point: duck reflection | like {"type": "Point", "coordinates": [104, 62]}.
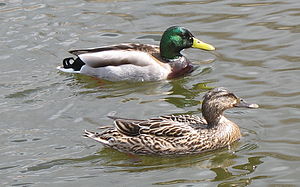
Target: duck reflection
{"type": "Point", "coordinates": [228, 166]}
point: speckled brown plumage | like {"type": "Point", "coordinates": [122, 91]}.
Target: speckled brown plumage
{"type": "Point", "coordinates": [177, 135]}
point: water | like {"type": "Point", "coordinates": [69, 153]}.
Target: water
{"type": "Point", "coordinates": [43, 112]}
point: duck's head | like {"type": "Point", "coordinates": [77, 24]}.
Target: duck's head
{"type": "Point", "coordinates": [175, 39]}
{"type": "Point", "coordinates": [218, 100]}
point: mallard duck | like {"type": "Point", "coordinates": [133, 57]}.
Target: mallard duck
{"type": "Point", "coordinates": [137, 62]}
{"type": "Point", "coordinates": [177, 135]}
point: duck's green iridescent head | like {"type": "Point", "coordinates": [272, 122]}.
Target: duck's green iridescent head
{"type": "Point", "coordinates": [175, 39]}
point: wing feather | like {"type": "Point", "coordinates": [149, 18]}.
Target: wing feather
{"type": "Point", "coordinates": [191, 119]}
{"type": "Point", "coordinates": [115, 55]}
{"type": "Point", "coordinates": [169, 126]}
{"type": "Point", "coordinates": [131, 46]}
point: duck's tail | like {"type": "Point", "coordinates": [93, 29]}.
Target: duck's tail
{"type": "Point", "coordinates": [71, 65]}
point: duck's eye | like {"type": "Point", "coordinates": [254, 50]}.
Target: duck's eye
{"type": "Point", "coordinates": [240, 100]}
{"type": "Point", "coordinates": [183, 36]}
{"type": "Point", "coordinates": [187, 37]}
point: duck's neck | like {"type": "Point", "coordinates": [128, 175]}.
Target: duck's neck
{"type": "Point", "coordinates": [227, 131]}
{"type": "Point", "coordinates": [212, 116]}
{"type": "Point", "coordinates": [180, 67]}
{"type": "Point", "coordinates": [169, 51]}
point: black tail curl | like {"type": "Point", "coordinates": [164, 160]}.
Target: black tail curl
{"type": "Point", "coordinates": [74, 64]}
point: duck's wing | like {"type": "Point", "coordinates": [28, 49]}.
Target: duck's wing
{"type": "Point", "coordinates": [115, 55]}
{"type": "Point", "coordinates": [129, 46]}
{"type": "Point", "coordinates": [156, 127]}
{"type": "Point", "coordinates": [190, 119]}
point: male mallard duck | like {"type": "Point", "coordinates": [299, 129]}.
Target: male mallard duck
{"type": "Point", "coordinates": [137, 62]}
{"type": "Point", "coordinates": [183, 134]}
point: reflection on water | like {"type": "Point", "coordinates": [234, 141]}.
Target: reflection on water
{"type": "Point", "coordinates": [221, 162]}
{"type": "Point", "coordinates": [174, 92]}
{"type": "Point", "coordinates": [43, 112]}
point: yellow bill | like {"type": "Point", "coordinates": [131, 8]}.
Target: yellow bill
{"type": "Point", "coordinates": [201, 45]}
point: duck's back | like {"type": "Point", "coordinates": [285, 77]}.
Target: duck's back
{"type": "Point", "coordinates": [165, 135]}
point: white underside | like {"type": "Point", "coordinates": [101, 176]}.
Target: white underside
{"type": "Point", "coordinates": [142, 67]}
{"type": "Point", "coordinates": [127, 72]}
{"type": "Point", "coordinates": [123, 72]}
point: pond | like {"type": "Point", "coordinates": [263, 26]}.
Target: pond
{"type": "Point", "coordinates": [44, 112]}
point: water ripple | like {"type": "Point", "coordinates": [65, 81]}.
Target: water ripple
{"type": "Point", "coordinates": [43, 112]}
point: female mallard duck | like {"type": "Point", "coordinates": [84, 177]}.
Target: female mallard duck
{"type": "Point", "coordinates": [137, 62]}
{"type": "Point", "coordinates": [183, 134]}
